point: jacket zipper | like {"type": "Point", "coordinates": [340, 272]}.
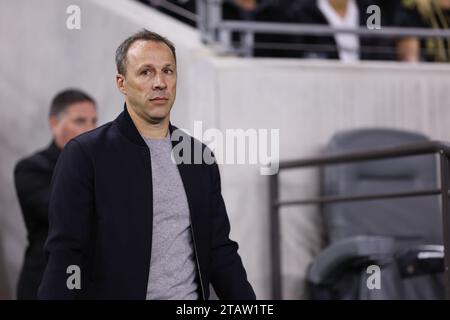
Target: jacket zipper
{"type": "Point", "coordinates": [196, 258]}
{"type": "Point", "coordinates": [149, 158]}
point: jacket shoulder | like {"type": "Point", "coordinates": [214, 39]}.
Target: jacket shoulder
{"type": "Point", "coordinates": [92, 136]}
{"type": "Point", "coordinates": [95, 139]}
{"type": "Point", "coordinates": [36, 161]}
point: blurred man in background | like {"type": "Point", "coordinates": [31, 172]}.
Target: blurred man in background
{"type": "Point", "coordinates": [349, 14]}
{"type": "Point", "coordinates": [72, 112]}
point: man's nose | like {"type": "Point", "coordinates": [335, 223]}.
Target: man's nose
{"type": "Point", "coordinates": [160, 83]}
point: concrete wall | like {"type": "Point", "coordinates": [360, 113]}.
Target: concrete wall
{"type": "Point", "coordinates": [308, 101]}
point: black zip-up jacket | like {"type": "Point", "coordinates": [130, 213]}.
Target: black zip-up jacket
{"type": "Point", "coordinates": [32, 178]}
{"type": "Point", "coordinates": [100, 219]}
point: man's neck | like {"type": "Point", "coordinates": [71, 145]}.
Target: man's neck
{"type": "Point", "coordinates": [58, 143]}
{"type": "Point", "coordinates": [149, 130]}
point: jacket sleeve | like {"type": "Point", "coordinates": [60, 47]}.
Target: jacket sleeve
{"type": "Point", "coordinates": [32, 191]}
{"type": "Point", "coordinates": [70, 220]}
{"type": "Point", "coordinates": [228, 276]}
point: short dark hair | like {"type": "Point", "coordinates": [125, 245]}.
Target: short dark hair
{"type": "Point", "coordinates": [65, 98]}
{"type": "Point", "coordinates": [146, 35]}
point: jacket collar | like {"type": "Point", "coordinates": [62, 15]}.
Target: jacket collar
{"type": "Point", "coordinates": [53, 151]}
{"type": "Point", "coordinates": [129, 130]}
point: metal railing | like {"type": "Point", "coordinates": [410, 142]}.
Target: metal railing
{"type": "Point", "coordinates": [432, 147]}
{"type": "Point", "coordinates": [215, 30]}
{"type": "Point", "coordinates": [172, 7]}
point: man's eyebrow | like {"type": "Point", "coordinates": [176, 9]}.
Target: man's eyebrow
{"type": "Point", "coordinates": [147, 65]}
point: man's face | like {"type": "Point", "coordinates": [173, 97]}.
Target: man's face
{"type": "Point", "coordinates": [78, 118]}
{"type": "Point", "coordinates": [149, 84]}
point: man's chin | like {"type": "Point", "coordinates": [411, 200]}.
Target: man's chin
{"type": "Point", "coordinates": [155, 119]}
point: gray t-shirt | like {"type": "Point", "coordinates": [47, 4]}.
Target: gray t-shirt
{"type": "Point", "coordinates": [172, 267]}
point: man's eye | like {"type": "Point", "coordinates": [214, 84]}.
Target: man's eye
{"type": "Point", "coordinates": [168, 71]}
{"type": "Point", "coordinates": [146, 72]}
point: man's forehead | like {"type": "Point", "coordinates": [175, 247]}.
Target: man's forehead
{"type": "Point", "coordinates": [81, 107]}
{"type": "Point", "coordinates": [150, 52]}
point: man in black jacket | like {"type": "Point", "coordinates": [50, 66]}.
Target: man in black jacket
{"type": "Point", "coordinates": [340, 14]}
{"type": "Point", "coordinates": [72, 112]}
{"type": "Point", "coordinates": [127, 222]}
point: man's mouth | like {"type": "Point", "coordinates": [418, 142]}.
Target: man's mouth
{"type": "Point", "coordinates": [159, 99]}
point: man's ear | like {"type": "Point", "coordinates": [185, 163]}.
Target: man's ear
{"type": "Point", "coordinates": [120, 83]}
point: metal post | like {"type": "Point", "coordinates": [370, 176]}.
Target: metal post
{"type": "Point", "coordinates": [202, 22]}
{"type": "Point", "coordinates": [444, 170]}
{"type": "Point", "coordinates": [213, 13]}
{"type": "Point", "coordinates": [225, 41]}
{"type": "Point", "coordinates": [275, 236]}
{"type": "Point", "coordinates": [210, 16]}
{"type": "Point", "coordinates": [247, 43]}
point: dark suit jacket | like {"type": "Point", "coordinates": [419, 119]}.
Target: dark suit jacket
{"type": "Point", "coordinates": [101, 220]}
{"type": "Point", "coordinates": [32, 177]}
